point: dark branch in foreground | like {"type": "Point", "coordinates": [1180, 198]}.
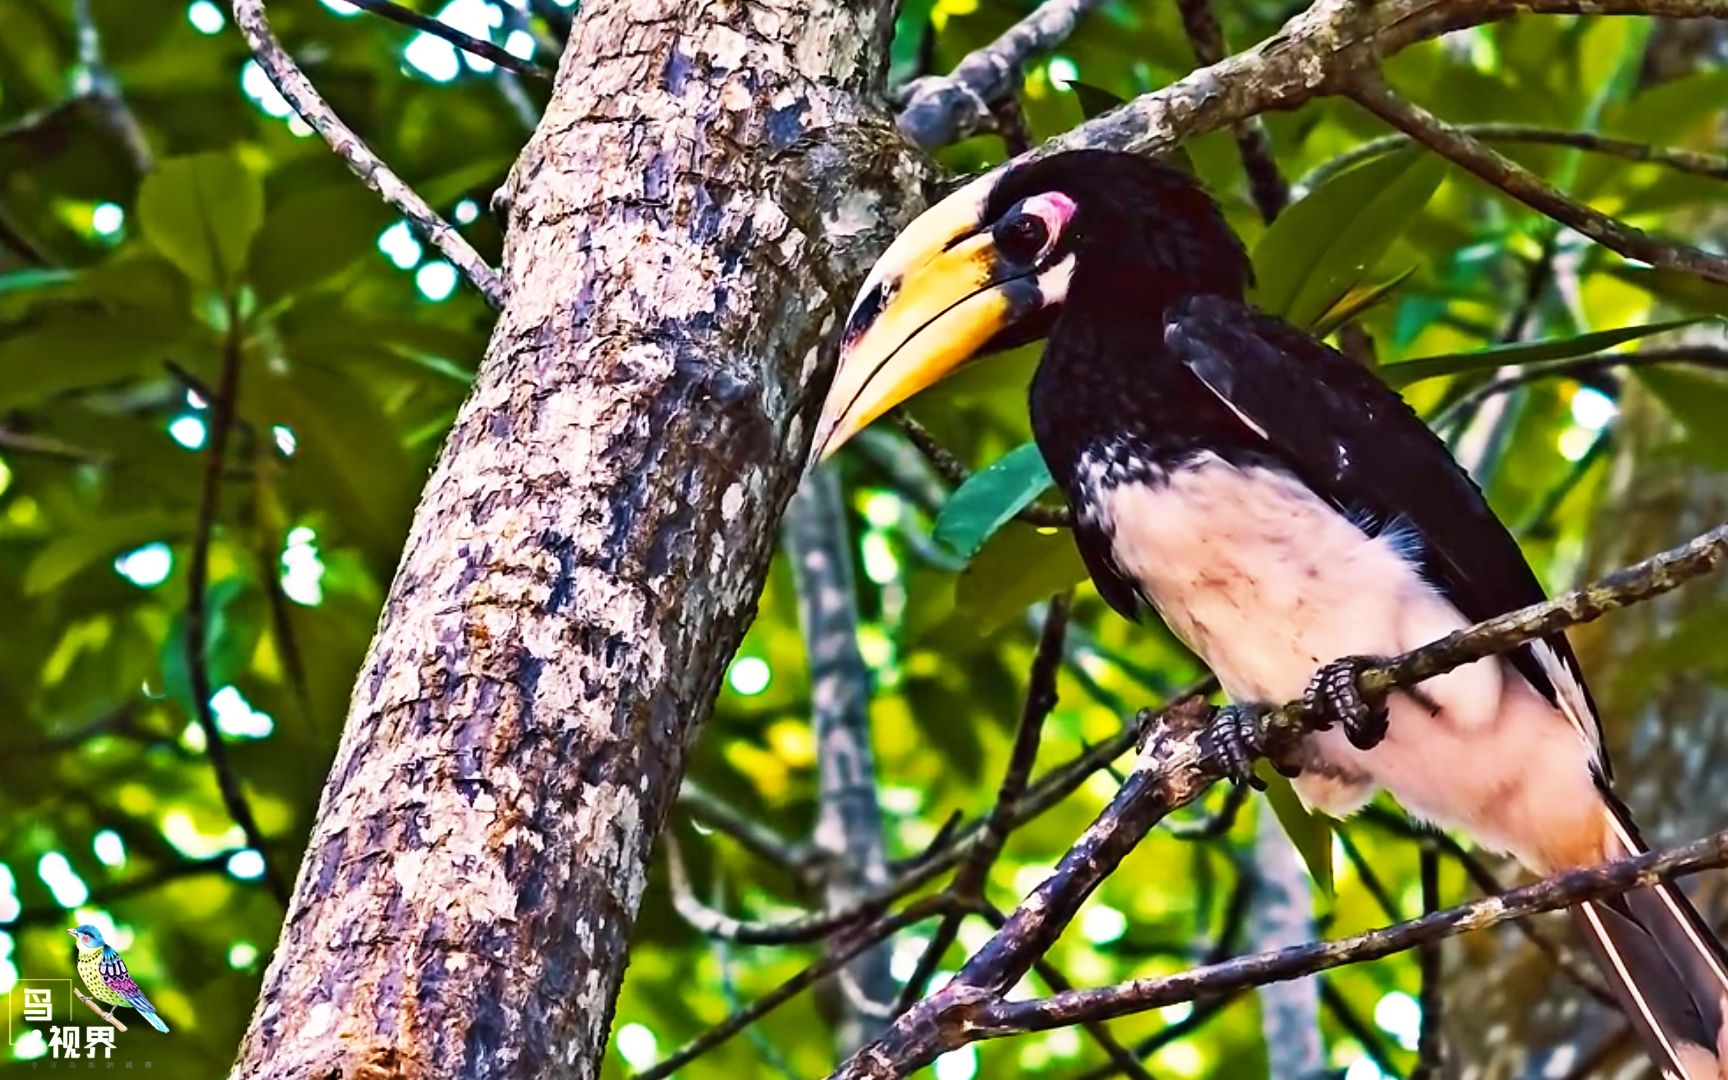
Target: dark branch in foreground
{"type": "Point", "coordinates": [223, 408]}
{"type": "Point", "coordinates": [486, 50]}
{"type": "Point", "coordinates": [1180, 758]}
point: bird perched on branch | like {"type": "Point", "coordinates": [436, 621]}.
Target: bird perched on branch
{"type": "Point", "coordinates": [1289, 517]}
{"type": "Point", "coordinates": [106, 977]}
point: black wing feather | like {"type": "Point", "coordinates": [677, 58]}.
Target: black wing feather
{"type": "Point", "coordinates": [1357, 444]}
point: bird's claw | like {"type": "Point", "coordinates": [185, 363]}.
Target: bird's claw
{"type": "Point", "coordinates": [1235, 731]}
{"type": "Point", "coordinates": [1335, 696]}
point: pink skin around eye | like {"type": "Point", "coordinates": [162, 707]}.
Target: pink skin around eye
{"type": "Point", "coordinates": [1053, 207]}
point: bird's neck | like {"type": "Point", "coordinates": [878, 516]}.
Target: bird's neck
{"type": "Point", "coordinates": [1107, 386]}
{"type": "Point", "coordinates": [88, 950]}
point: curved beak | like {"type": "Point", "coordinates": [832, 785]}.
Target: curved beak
{"type": "Point", "coordinates": [933, 300]}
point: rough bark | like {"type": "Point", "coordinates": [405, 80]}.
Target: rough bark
{"type": "Point", "coordinates": [686, 226]}
{"type": "Point", "coordinates": [1668, 730]}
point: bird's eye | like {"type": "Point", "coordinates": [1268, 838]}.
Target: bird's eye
{"type": "Point", "coordinates": [1022, 237]}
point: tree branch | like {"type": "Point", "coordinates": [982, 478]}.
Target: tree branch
{"type": "Point", "coordinates": [223, 408]}
{"type": "Point", "coordinates": [97, 82]}
{"type": "Point", "coordinates": [848, 829]}
{"type": "Point", "coordinates": [1563, 890]}
{"type": "Point", "coordinates": [751, 835]}
{"type": "Point", "coordinates": [1372, 93]}
{"type": "Point", "coordinates": [1318, 53]}
{"type": "Point", "coordinates": [867, 938]}
{"type": "Point", "coordinates": [254, 23]}
{"type": "Point", "coordinates": [1180, 758]}
{"type": "Point", "coordinates": [938, 110]}
{"type": "Point", "coordinates": [968, 885]}
{"type": "Point", "coordinates": [1266, 184]}
{"type": "Point", "coordinates": [1712, 166]}
{"type": "Point", "coordinates": [426, 24]}
{"type": "Point", "coordinates": [1587, 369]}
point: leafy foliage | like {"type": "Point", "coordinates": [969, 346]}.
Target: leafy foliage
{"type": "Point", "coordinates": [121, 286]}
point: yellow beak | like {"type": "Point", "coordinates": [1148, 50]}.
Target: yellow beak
{"type": "Point", "coordinates": [933, 300]}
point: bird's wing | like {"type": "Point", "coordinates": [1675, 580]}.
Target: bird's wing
{"type": "Point", "coordinates": [1355, 442]}
{"type": "Point", "coordinates": [118, 979]}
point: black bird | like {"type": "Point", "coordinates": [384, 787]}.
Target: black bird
{"type": "Point", "coordinates": [1288, 516]}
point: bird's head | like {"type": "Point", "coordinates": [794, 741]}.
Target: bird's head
{"type": "Point", "coordinates": [990, 267]}
{"type": "Point", "coordinates": [88, 936]}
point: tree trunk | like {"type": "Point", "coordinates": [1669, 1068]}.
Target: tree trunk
{"type": "Point", "coordinates": [1510, 1011]}
{"type": "Point", "coordinates": [1282, 915]}
{"type": "Point", "coordinates": [686, 227]}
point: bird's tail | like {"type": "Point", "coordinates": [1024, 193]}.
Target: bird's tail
{"type": "Point", "coordinates": [1666, 968]}
{"type": "Point", "coordinates": [155, 1021]}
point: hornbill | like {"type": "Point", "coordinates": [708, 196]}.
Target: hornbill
{"type": "Point", "coordinates": [1288, 516]}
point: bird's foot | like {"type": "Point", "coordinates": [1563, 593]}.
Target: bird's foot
{"type": "Point", "coordinates": [1335, 696]}
{"type": "Point", "coordinates": [1235, 732]}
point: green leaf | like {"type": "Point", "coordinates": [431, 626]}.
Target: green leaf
{"type": "Point", "coordinates": [1019, 567]}
{"type": "Point", "coordinates": [1094, 101]}
{"type": "Point", "coordinates": [202, 212]}
{"type": "Point", "coordinates": [1525, 352]}
{"type": "Point", "coordinates": [70, 352]}
{"type": "Point", "coordinates": [1324, 246]}
{"type": "Point", "coordinates": [1356, 302]}
{"type": "Point", "coordinates": [1311, 833]}
{"type": "Point", "coordinates": [71, 553]}
{"type": "Point", "coordinates": [312, 235]}
{"type": "Point", "coordinates": [33, 278]}
{"type": "Point", "coordinates": [990, 498]}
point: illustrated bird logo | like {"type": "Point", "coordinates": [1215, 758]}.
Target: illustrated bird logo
{"type": "Point", "coordinates": [1288, 516]}
{"type": "Point", "coordinates": [106, 977]}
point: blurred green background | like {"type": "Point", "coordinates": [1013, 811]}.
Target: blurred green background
{"type": "Point", "coordinates": [129, 272]}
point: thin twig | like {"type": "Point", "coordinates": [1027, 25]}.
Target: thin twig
{"type": "Point", "coordinates": [1429, 1048]}
{"type": "Point", "coordinates": [1000, 1017]}
{"type": "Point", "coordinates": [254, 23]}
{"type": "Point", "coordinates": [44, 446]}
{"type": "Point", "coordinates": [1266, 184]}
{"type": "Point", "coordinates": [1372, 93]}
{"type": "Point", "coordinates": [97, 81]}
{"type": "Point", "coordinates": [751, 835]}
{"type": "Point", "coordinates": [426, 24]}
{"type": "Point", "coordinates": [1371, 882]}
{"type": "Point", "coordinates": [968, 885]}
{"type": "Point", "coordinates": [1564, 958]}
{"type": "Point", "coordinates": [938, 110]}
{"type": "Point", "coordinates": [1585, 369]}
{"type": "Point", "coordinates": [1712, 166]}
{"type": "Point", "coordinates": [223, 409]}
{"type": "Point", "coordinates": [1334, 1002]}
{"type": "Point", "coordinates": [1124, 1059]}
{"type": "Point", "coordinates": [866, 938]}
{"type": "Point", "coordinates": [97, 1009]}
{"type": "Point", "coordinates": [955, 472]}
